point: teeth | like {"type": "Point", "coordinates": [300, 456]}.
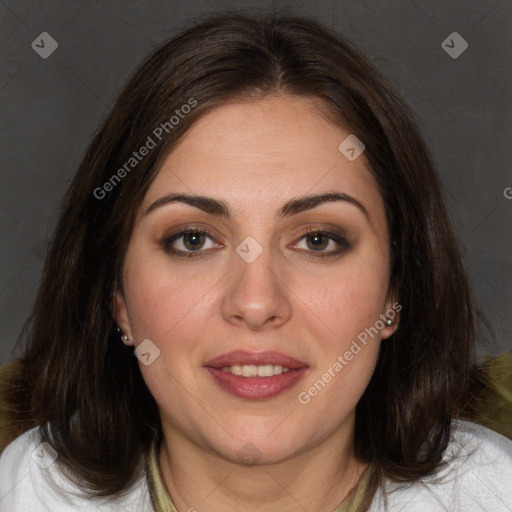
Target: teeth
{"type": "Point", "coordinates": [251, 370]}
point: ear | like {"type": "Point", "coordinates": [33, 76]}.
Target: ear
{"type": "Point", "coordinates": [121, 316]}
{"type": "Point", "coordinates": [392, 311]}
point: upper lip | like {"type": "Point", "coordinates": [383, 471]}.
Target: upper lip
{"type": "Point", "coordinates": [242, 357]}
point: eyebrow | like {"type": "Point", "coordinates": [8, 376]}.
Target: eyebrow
{"type": "Point", "coordinates": [292, 207]}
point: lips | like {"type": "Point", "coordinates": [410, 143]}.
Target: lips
{"type": "Point", "coordinates": [241, 357]}
{"type": "Point", "coordinates": [255, 387]}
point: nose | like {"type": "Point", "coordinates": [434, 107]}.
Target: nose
{"type": "Point", "coordinates": [256, 295]}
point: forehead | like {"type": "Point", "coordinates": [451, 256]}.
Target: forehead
{"type": "Point", "coordinates": [264, 152]}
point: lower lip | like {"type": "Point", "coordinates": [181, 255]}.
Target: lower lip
{"type": "Point", "coordinates": [256, 388]}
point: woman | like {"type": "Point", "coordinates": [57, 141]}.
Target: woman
{"type": "Point", "coordinates": [259, 221]}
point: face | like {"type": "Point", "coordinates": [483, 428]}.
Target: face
{"type": "Point", "coordinates": [253, 281]}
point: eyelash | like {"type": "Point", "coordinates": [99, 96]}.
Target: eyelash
{"type": "Point", "coordinates": [343, 244]}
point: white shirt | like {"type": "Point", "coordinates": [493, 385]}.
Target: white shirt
{"type": "Point", "coordinates": [477, 476]}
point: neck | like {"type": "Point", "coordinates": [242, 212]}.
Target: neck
{"type": "Point", "coordinates": [315, 480]}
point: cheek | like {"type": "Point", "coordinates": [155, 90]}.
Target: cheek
{"type": "Point", "coordinates": [334, 393]}
{"type": "Point", "coordinates": [347, 300]}
{"type": "Point", "coordinates": [170, 311]}
{"type": "Point", "coordinates": [163, 301]}
{"type": "Point", "coordinates": [343, 320]}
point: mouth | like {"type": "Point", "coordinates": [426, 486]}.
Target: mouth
{"type": "Point", "coordinates": [256, 375]}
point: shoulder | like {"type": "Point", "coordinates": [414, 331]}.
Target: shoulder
{"type": "Point", "coordinates": [475, 475]}
{"type": "Point", "coordinates": [30, 479]}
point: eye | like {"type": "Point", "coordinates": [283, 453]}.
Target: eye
{"type": "Point", "coordinates": [317, 241]}
{"type": "Point", "coordinates": [187, 243]}
{"type": "Point", "coordinates": [193, 242]}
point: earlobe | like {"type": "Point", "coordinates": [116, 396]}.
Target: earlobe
{"type": "Point", "coordinates": [389, 329]}
{"type": "Point", "coordinates": [392, 317]}
{"type": "Point", "coordinates": [120, 313]}
{"type": "Point", "coordinates": [124, 338]}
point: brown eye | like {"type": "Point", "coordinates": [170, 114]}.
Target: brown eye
{"type": "Point", "coordinates": [323, 244]}
{"type": "Point", "coordinates": [187, 243]}
{"type": "Point", "coordinates": [194, 240]}
{"type": "Point", "coordinates": [318, 241]}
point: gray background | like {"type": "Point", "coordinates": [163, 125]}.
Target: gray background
{"type": "Point", "coordinates": [51, 107]}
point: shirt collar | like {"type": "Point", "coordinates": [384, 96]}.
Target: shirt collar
{"type": "Point", "coordinates": [162, 502]}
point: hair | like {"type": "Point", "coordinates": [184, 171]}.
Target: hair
{"type": "Point", "coordinates": [84, 388]}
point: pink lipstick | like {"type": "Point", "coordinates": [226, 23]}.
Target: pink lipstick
{"type": "Point", "coordinates": [256, 375]}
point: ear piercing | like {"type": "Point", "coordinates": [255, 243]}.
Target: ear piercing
{"type": "Point", "coordinates": [124, 338]}
{"type": "Point", "coordinates": [389, 322]}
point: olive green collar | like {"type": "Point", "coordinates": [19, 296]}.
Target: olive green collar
{"type": "Point", "coordinates": [162, 501]}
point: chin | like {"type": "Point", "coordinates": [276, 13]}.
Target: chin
{"type": "Point", "coordinates": [263, 448]}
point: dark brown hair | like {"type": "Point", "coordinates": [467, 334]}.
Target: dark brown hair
{"type": "Point", "coordinates": [84, 387]}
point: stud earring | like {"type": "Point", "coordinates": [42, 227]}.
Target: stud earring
{"type": "Point", "coordinates": [124, 338]}
{"type": "Point", "coordinates": [389, 322]}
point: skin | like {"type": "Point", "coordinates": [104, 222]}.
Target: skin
{"type": "Point", "coordinates": [255, 156]}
